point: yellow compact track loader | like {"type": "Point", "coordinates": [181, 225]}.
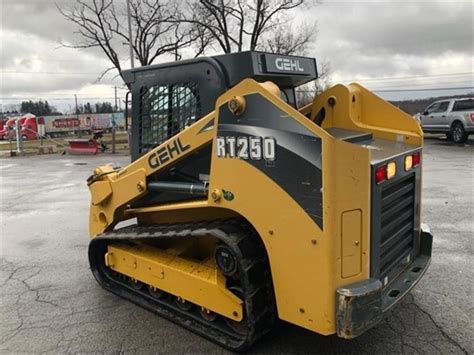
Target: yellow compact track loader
{"type": "Point", "coordinates": [244, 208]}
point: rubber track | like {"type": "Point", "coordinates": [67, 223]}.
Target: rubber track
{"type": "Point", "coordinates": [253, 273]}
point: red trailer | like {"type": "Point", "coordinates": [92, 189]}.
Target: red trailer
{"type": "Point", "coordinates": [58, 126]}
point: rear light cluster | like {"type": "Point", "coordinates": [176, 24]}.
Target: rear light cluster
{"type": "Point", "coordinates": [416, 159]}
{"type": "Point", "coordinates": [388, 171]}
{"type": "Point", "coordinates": [385, 172]}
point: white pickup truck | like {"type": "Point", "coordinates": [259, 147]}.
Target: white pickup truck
{"type": "Point", "coordinates": [455, 117]}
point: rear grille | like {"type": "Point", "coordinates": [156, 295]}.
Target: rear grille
{"type": "Point", "coordinates": [397, 221]}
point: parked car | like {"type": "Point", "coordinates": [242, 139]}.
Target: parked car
{"type": "Point", "coordinates": [455, 117]}
{"type": "Point", "coordinates": [417, 117]}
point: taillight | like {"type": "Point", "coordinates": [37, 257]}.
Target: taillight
{"type": "Point", "coordinates": [416, 158]}
{"type": "Point", "coordinates": [381, 174]}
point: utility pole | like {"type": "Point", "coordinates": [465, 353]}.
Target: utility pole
{"type": "Point", "coordinates": [113, 122]}
{"type": "Point", "coordinates": [115, 88]}
{"type": "Point", "coordinates": [19, 138]}
{"type": "Point", "coordinates": [77, 115]}
{"type": "Point", "coordinates": [130, 34]}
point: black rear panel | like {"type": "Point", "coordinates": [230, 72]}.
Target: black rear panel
{"type": "Point", "coordinates": [297, 163]}
{"type": "Point", "coordinates": [395, 221]}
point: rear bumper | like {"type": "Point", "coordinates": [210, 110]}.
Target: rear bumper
{"type": "Point", "coordinates": [360, 306]}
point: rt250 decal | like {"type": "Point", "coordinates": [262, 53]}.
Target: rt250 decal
{"type": "Point", "coordinates": [243, 147]}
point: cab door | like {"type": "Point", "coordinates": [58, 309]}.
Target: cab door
{"type": "Point", "coordinates": [435, 117]}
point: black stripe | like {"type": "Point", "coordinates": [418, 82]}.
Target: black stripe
{"type": "Point", "coordinates": [297, 168]}
{"type": "Point", "coordinates": [207, 126]}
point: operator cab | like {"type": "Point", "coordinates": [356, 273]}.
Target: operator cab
{"type": "Point", "coordinates": [167, 98]}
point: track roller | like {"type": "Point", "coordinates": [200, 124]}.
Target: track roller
{"type": "Point", "coordinates": [208, 315]}
{"type": "Point", "coordinates": [155, 292]}
{"type": "Point", "coordinates": [137, 285]}
{"type": "Point", "coordinates": [183, 304]}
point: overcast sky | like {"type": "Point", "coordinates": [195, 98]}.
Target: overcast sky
{"type": "Point", "coordinates": [423, 44]}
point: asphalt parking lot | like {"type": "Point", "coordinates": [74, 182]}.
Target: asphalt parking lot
{"type": "Point", "coordinates": [50, 303]}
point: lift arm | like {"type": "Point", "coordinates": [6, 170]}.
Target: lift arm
{"type": "Point", "coordinates": [113, 189]}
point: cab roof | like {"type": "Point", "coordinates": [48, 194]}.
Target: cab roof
{"type": "Point", "coordinates": [284, 70]}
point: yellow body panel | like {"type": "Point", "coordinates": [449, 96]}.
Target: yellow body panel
{"type": "Point", "coordinates": [351, 236]}
{"type": "Point", "coordinates": [197, 282]}
{"type": "Point", "coordinates": [359, 109]}
{"type": "Point", "coordinates": [307, 263]}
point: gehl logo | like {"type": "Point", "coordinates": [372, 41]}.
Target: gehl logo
{"type": "Point", "coordinates": [253, 148]}
{"type": "Point", "coordinates": [287, 64]}
{"type": "Point", "coordinates": [168, 152]}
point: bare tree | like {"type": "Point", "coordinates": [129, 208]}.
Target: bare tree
{"type": "Point", "coordinates": [306, 93]}
{"type": "Point", "coordinates": [203, 39]}
{"type": "Point", "coordinates": [165, 27]}
{"type": "Point", "coordinates": [296, 40]}
{"type": "Point", "coordinates": [288, 40]}
{"type": "Point", "coordinates": [324, 78]}
{"type": "Point", "coordinates": [236, 25]}
{"type": "Point", "coordinates": [102, 24]}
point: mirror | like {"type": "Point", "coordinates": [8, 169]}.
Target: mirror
{"type": "Point", "coordinates": [425, 113]}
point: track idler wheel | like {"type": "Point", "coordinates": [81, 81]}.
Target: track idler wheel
{"type": "Point", "coordinates": [225, 260]}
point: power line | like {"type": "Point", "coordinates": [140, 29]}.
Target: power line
{"type": "Point", "coordinates": [409, 90]}
{"type": "Point", "coordinates": [345, 80]}
{"type": "Point", "coordinates": [49, 73]}
{"type": "Point", "coordinates": [426, 89]}
{"type": "Point", "coordinates": [381, 86]}
{"type": "Point", "coordinates": [310, 91]}
{"type": "Point", "coordinates": [66, 96]}
{"type": "Point", "coordinates": [55, 99]}
{"type": "Point", "coordinates": [409, 77]}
